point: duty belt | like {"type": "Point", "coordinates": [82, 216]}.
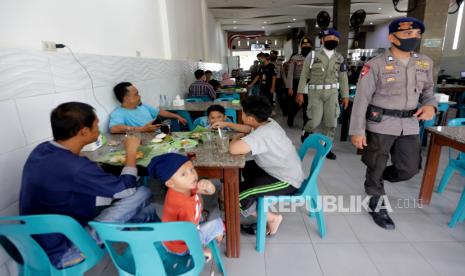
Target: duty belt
{"type": "Point", "coordinates": [323, 86]}
{"type": "Point", "coordinates": [395, 112]}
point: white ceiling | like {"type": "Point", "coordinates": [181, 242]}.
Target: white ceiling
{"type": "Point", "coordinates": [281, 15]}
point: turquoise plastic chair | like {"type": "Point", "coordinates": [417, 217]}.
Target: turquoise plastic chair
{"type": "Point", "coordinates": [235, 96]}
{"type": "Point", "coordinates": [224, 99]}
{"type": "Point", "coordinates": [455, 164]}
{"type": "Point", "coordinates": [308, 191]}
{"type": "Point", "coordinates": [231, 113]}
{"type": "Point", "coordinates": [442, 107]}
{"type": "Point", "coordinates": [197, 100]}
{"type": "Point", "coordinates": [186, 115]}
{"type": "Point", "coordinates": [32, 260]}
{"type": "Point", "coordinates": [203, 121]}
{"type": "Point", "coordinates": [146, 255]}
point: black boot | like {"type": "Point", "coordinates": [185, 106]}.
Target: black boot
{"type": "Point", "coordinates": [331, 155]}
{"type": "Point", "coordinates": [381, 216]}
{"type": "Point", "coordinates": [304, 135]}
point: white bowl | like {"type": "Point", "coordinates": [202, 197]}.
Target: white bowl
{"type": "Point", "coordinates": [160, 136]}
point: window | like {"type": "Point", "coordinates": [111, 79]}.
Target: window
{"type": "Point", "coordinates": [457, 28]}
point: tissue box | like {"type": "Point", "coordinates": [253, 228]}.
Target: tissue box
{"type": "Point", "coordinates": [441, 98]}
{"type": "Point", "coordinates": [178, 102]}
{"type": "Point", "coordinates": [95, 145]}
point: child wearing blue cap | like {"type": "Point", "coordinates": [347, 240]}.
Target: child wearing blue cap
{"type": "Point", "coordinates": [182, 201]}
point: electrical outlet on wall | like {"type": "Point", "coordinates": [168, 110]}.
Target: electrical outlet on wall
{"type": "Point", "coordinates": [48, 46]}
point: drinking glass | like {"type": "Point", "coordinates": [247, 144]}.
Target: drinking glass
{"type": "Point", "coordinates": [222, 143]}
{"type": "Point", "coordinates": [166, 126]}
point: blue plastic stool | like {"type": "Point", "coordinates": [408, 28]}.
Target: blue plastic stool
{"type": "Point", "coordinates": [186, 115]}
{"type": "Point", "coordinates": [33, 260]}
{"type": "Point", "coordinates": [235, 96]}
{"type": "Point", "coordinates": [231, 113]}
{"type": "Point", "coordinates": [457, 164]}
{"type": "Point", "coordinates": [197, 100]}
{"type": "Point", "coordinates": [443, 108]}
{"type": "Point", "coordinates": [308, 191]}
{"type": "Point", "coordinates": [146, 255]}
{"type": "Point", "coordinates": [224, 99]}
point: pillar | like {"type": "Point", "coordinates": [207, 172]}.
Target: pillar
{"type": "Point", "coordinates": [434, 14]}
{"type": "Point", "coordinates": [341, 22]}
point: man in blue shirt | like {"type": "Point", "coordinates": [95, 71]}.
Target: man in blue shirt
{"type": "Point", "coordinates": [57, 180]}
{"type": "Point", "coordinates": [133, 115]}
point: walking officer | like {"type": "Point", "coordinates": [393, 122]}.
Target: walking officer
{"type": "Point", "coordinates": [296, 63]}
{"type": "Point", "coordinates": [394, 92]}
{"type": "Point", "coordinates": [327, 72]}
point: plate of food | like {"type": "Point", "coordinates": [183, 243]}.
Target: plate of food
{"type": "Point", "coordinates": [160, 136]}
{"type": "Point", "coordinates": [185, 144]}
{"type": "Point", "coordinates": [157, 140]}
{"type": "Point", "coordinates": [120, 157]}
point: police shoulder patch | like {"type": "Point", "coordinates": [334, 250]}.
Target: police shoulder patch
{"type": "Point", "coordinates": [365, 70]}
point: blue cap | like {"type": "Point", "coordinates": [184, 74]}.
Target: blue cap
{"type": "Point", "coordinates": [406, 23]}
{"type": "Point", "coordinates": [165, 165]}
{"type": "Point", "coordinates": [330, 32]}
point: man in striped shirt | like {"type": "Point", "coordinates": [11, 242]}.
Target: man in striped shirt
{"type": "Point", "coordinates": [200, 88]}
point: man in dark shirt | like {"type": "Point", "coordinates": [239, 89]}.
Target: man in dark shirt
{"type": "Point", "coordinates": [57, 180]}
{"type": "Point", "coordinates": [266, 77]}
{"type": "Point", "coordinates": [200, 88]}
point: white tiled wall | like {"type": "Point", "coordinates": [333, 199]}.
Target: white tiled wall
{"type": "Point", "coordinates": [32, 83]}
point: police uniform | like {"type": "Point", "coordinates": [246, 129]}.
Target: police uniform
{"type": "Point", "coordinates": [327, 76]}
{"type": "Point", "coordinates": [389, 91]}
{"type": "Point", "coordinates": [296, 64]}
{"type": "Point", "coordinates": [279, 86]}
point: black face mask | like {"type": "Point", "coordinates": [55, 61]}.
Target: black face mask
{"type": "Point", "coordinates": [407, 44]}
{"type": "Point", "coordinates": [330, 44]}
{"type": "Point", "coordinates": [305, 50]}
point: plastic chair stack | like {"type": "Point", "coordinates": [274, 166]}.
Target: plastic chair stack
{"type": "Point", "coordinates": [308, 191]}
{"type": "Point", "coordinates": [456, 164]}
{"type": "Point", "coordinates": [443, 108]}
{"type": "Point", "coordinates": [32, 260]}
{"type": "Point", "coordinates": [145, 254]}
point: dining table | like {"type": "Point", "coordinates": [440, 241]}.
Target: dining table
{"type": "Point", "coordinates": [200, 107]}
{"type": "Point", "coordinates": [208, 161]}
{"type": "Point", "coordinates": [448, 136]}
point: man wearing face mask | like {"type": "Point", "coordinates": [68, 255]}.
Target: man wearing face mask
{"type": "Point", "coordinates": [296, 63]}
{"type": "Point", "coordinates": [327, 72]}
{"type": "Point", "coordinates": [394, 92]}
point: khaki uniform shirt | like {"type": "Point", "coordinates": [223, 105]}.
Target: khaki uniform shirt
{"type": "Point", "coordinates": [325, 71]}
{"type": "Point", "coordinates": [387, 83]}
{"type": "Point", "coordinates": [295, 69]}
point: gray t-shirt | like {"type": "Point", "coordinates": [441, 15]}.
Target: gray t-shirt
{"type": "Point", "coordinates": [274, 152]}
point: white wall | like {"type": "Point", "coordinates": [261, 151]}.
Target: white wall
{"type": "Point", "coordinates": [105, 34]}
{"type": "Point", "coordinates": [453, 61]}
{"type": "Point", "coordinates": [378, 38]}
{"type": "Point", "coordinates": [109, 27]}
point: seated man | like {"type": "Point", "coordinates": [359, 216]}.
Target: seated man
{"type": "Point", "coordinates": [133, 115]}
{"type": "Point", "coordinates": [58, 180]}
{"type": "Point", "coordinates": [227, 81]}
{"type": "Point", "coordinates": [200, 88]}
{"type": "Point", "coordinates": [208, 78]}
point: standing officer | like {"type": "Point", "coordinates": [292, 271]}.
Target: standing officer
{"type": "Point", "coordinates": [394, 92]}
{"type": "Point", "coordinates": [327, 72]}
{"type": "Point", "coordinates": [266, 77]}
{"type": "Point", "coordinates": [296, 63]}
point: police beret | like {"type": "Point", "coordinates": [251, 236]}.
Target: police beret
{"type": "Point", "coordinates": [406, 23]}
{"type": "Point", "coordinates": [330, 32]}
{"type": "Point", "coordinates": [305, 39]}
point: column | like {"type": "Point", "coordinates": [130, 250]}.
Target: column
{"type": "Point", "coordinates": [434, 14]}
{"type": "Point", "coordinates": [341, 22]}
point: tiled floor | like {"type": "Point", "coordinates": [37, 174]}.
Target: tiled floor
{"type": "Point", "coordinates": [422, 244]}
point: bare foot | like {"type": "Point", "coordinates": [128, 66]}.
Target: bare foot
{"type": "Point", "coordinates": [208, 254]}
{"type": "Point", "coordinates": [205, 187]}
{"type": "Point", "coordinates": [273, 224]}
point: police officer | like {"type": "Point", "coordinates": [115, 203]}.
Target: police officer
{"type": "Point", "coordinates": [327, 72]}
{"type": "Point", "coordinates": [394, 92]}
{"type": "Point", "coordinates": [266, 77]}
{"type": "Point", "coordinates": [278, 64]}
{"type": "Point", "coordinates": [296, 63]}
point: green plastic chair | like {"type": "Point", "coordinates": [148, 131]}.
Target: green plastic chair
{"type": "Point", "coordinates": [224, 99]}
{"type": "Point", "coordinates": [197, 100]}
{"type": "Point", "coordinates": [32, 260]}
{"type": "Point", "coordinates": [308, 191]}
{"type": "Point", "coordinates": [146, 255]}
{"type": "Point", "coordinates": [235, 96]}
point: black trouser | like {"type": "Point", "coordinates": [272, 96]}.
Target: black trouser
{"type": "Point", "coordinates": [405, 154]}
{"type": "Point", "coordinates": [265, 90]}
{"type": "Point", "coordinates": [293, 106]}
{"type": "Point", "coordinates": [281, 95]}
